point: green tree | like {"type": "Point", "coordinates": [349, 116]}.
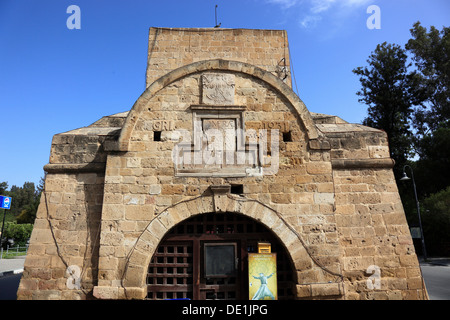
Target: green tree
{"type": "Point", "coordinates": [25, 201]}
{"type": "Point", "coordinates": [22, 197]}
{"type": "Point", "coordinates": [3, 188]}
{"type": "Point", "coordinates": [387, 90]}
{"type": "Point", "coordinates": [435, 211]}
{"type": "Point", "coordinates": [432, 168]}
{"type": "Point", "coordinates": [19, 232]}
{"type": "Point", "coordinates": [431, 54]}
{"type": "Point", "coordinates": [28, 212]}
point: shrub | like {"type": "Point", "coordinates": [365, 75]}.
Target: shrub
{"type": "Point", "coordinates": [19, 232]}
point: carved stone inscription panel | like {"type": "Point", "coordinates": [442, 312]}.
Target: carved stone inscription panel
{"type": "Point", "coordinates": [218, 89]}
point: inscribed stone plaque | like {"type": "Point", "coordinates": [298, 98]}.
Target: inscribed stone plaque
{"type": "Point", "coordinates": [218, 89]}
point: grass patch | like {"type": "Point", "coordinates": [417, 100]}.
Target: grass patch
{"type": "Point", "coordinates": [12, 255]}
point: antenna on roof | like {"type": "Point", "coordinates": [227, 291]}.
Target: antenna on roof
{"type": "Point", "coordinates": [217, 25]}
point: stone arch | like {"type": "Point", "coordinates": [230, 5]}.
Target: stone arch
{"type": "Point", "coordinates": [139, 259]}
{"type": "Point", "coordinates": [216, 65]}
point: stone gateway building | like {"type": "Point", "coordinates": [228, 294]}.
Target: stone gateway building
{"type": "Point", "coordinates": [218, 154]}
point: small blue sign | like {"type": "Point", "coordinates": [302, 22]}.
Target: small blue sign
{"type": "Point", "coordinates": [5, 202]}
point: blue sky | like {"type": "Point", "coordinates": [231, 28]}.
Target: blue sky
{"type": "Point", "coordinates": [53, 79]}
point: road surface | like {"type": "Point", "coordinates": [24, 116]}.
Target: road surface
{"type": "Point", "coordinates": [437, 280]}
{"type": "Point", "coordinates": [8, 286]}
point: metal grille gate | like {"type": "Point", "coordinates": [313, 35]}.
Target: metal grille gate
{"type": "Point", "coordinates": [177, 269]}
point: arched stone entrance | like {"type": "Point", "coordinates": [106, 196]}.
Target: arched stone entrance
{"type": "Point", "coordinates": [134, 280]}
{"type": "Point", "coordinates": [206, 257]}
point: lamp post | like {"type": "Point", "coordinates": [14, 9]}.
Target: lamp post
{"type": "Point", "coordinates": [404, 178]}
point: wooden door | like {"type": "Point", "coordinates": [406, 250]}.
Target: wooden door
{"type": "Point", "coordinates": [220, 276]}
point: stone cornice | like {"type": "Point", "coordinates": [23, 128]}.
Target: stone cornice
{"type": "Point", "coordinates": [385, 163]}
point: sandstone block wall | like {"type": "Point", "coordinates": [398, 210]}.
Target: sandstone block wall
{"type": "Point", "coordinates": [66, 233]}
{"type": "Point", "coordinates": [171, 48]}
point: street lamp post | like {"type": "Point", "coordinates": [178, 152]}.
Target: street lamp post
{"type": "Point", "coordinates": [405, 177]}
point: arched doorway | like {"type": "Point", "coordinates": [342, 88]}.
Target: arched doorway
{"type": "Point", "coordinates": [181, 266]}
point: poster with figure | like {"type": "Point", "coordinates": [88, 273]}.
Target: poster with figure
{"type": "Point", "coordinates": [262, 276]}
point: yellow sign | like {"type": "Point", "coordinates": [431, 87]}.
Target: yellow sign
{"type": "Point", "coordinates": [264, 247]}
{"type": "Point", "coordinates": [262, 276]}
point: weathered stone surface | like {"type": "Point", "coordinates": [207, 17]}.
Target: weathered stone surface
{"type": "Point", "coordinates": [218, 89]}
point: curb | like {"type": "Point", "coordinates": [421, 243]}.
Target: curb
{"type": "Point", "coordinates": [442, 262]}
{"type": "Point", "coordinates": [438, 264]}
{"type": "Point", "coordinates": [7, 273]}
